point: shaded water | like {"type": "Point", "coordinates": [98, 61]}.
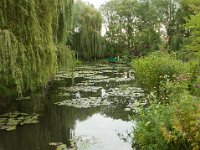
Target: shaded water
{"type": "Point", "coordinates": [105, 124]}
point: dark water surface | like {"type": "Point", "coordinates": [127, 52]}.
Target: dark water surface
{"type": "Point", "coordinates": [62, 123]}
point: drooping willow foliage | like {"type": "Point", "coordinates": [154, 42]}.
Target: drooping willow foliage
{"type": "Point", "coordinates": [31, 35]}
{"type": "Point", "coordinates": [87, 40]}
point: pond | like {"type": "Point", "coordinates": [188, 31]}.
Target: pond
{"type": "Point", "coordinates": [90, 115]}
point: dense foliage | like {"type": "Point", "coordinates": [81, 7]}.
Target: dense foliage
{"type": "Point", "coordinates": [86, 38]}
{"type": "Point", "coordinates": [133, 25]}
{"type": "Point", "coordinates": [30, 32]}
{"type": "Point", "coordinates": [171, 121]}
{"type": "Point", "coordinates": [140, 27]}
{"type": "Point", "coordinates": [174, 124]}
{"type": "Point", "coordinates": [169, 127]}
{"type": "Point", "coordinates": [152, 71]}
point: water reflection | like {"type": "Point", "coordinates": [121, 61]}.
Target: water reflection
{"type": "Point", "coordinates": [61, 123]}
{"type": "Point", "coordinates": [106, 132]}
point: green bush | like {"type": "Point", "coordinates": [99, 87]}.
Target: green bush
{"type": "Point", "coordinates": [174, 126]}
{"type": "Point", "coordinates": [146, 134]}
{"type": "Point", "coordinates": [152, 71]}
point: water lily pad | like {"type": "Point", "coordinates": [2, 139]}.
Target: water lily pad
{"type": "Point", "coordinates": [30, 120]}
{"type": "Point", "coordinates": [24, 114]}
{"type": "Point", "coordinates": [106, 80]}
{"type": "Point", "coordinates": [64, 94]}
{"type": "Point", "coordinates": [10, 121]}
{"type": "Point", "coordinates": [97, 77]}
{"type": "Point", "coordinates": [85, 102]}
{"type": "Point", "coordinates": [3, 127]}
{"type": "Point", "coordinates": [109, 71]}
{"type": "Point", "coordinates": [62, 147]}
{"type": "Point", "coordinates": [82, 142]}
{"type": "Point", "coordinates": [6, 115]}
{"type": "Point", "coordinates": [55, 143]}
{"type": "Point", "coordinates": [3, 120]}
{"type": "Point", "coordinates": [23, 98]}
{"type": "Point", "coordinates": [85, 83]}
{"type": "Point", "coordinates": [124, 91]}
{"type": "Point", "coordinates": [81, 88]}
{"type": "Point", "coordinates": [10, 128]}
{"type": "Point", "coordinates": [76, 74]}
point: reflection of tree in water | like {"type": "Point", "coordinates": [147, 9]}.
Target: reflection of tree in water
{"type": "Point", "coordinates": [62, 121]}
{"type": "Point", "coordinates": [56, 124]}
{"type": "Point", "coordinates": [116, 110]}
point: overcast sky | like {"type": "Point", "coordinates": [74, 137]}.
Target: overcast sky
{"type": "Point", "coordinates": [96, 3]}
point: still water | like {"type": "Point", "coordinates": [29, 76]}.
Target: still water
{"type": "Point", "coordinates": [108, 126]}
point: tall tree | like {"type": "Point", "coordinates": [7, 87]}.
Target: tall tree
{"type": "Point", "coordinates": [87, 40]}
{"type": "Point", "coordinates": [131, 25]}
{"type": "Point", "coordinates": [28, 48]}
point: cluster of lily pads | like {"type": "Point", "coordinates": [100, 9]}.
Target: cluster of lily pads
{"type": "Point", "coordinates": [65, 94]}
{"type": "Point", "coordinates": [89, 71]}
{"type": "Point", "coordinates": [85, 102]}
{"type": "Point", "coordinates": [106, 80]}
{"type": "Point", "coordinates": [10, 121]}
{"type": "Point", "coordinates": [124, 91]}
{"type": "Point", "coordinates": [95, 68]}
{"type": "Point", "coordinates": [97, 77]}
{"type": "Point", "coordinates": [75, 143]}
{"type": "Point", "coordinates": [136, 106]}
{"type": "Point", "coordinates": [76, 74]}
{"type": "Point", "coordinates": [23, 98]}
{"type": "Point", "coordinates": [81, 88]}
{"type": "Point", "coordinates": [62, 146]}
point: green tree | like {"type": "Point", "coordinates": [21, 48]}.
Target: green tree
{"type": "Point", "coordinates": [87, 40]}
{"type": "Point", "coordinates": [132, 26]}
{"type": "Point", "coordinates": [192, 45]}
{"type": "Point", "coordinates": [30, 32]}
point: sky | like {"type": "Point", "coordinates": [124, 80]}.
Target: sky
{"type": "Point", "coordinates": [96, 3]}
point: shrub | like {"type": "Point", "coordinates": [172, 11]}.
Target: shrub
{"type": "Point", "coordinates": [157, 68]}
{"type": "Point", "coordinates": [169, 127]}
{"type": "Point", "coordinates": [175, 124]}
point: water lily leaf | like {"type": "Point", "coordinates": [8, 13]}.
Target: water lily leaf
{"type": "Point", "coordinates": [12, 122]}
{"type": "Point", "coordinates": [23, 98]}
{"type": "Point", "coordinates": [55, 143]}
{"type": "Point", "coordinates": [97, 77]}
{"type": "Point", "coordinates": [62, 147]}
{"type": "Point", "coordinates": [5, 115]}
{"type": "Point", "coordinates": [30, 120]}
{"type": "Point", "coordinates": [9, 121]}
{"type": "Point", "coordinates": [10, 128]}
{"type": "Point", "coordinates": [3, 120]}
{"type": "Point", "coordinates": [85, 102]}
{"type": "Point", "coordinates": [81, 88]}
{"type": "Point", "coordinates": [64, 94]}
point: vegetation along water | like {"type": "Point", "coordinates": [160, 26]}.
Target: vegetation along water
{"type": "Point", "coordinates": [75, 75]}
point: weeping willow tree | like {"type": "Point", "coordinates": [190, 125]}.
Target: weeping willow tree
{"type": "Point", "coordinates": [87, 40]}
{"type": "Point", "coordinates": [32, 35]}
